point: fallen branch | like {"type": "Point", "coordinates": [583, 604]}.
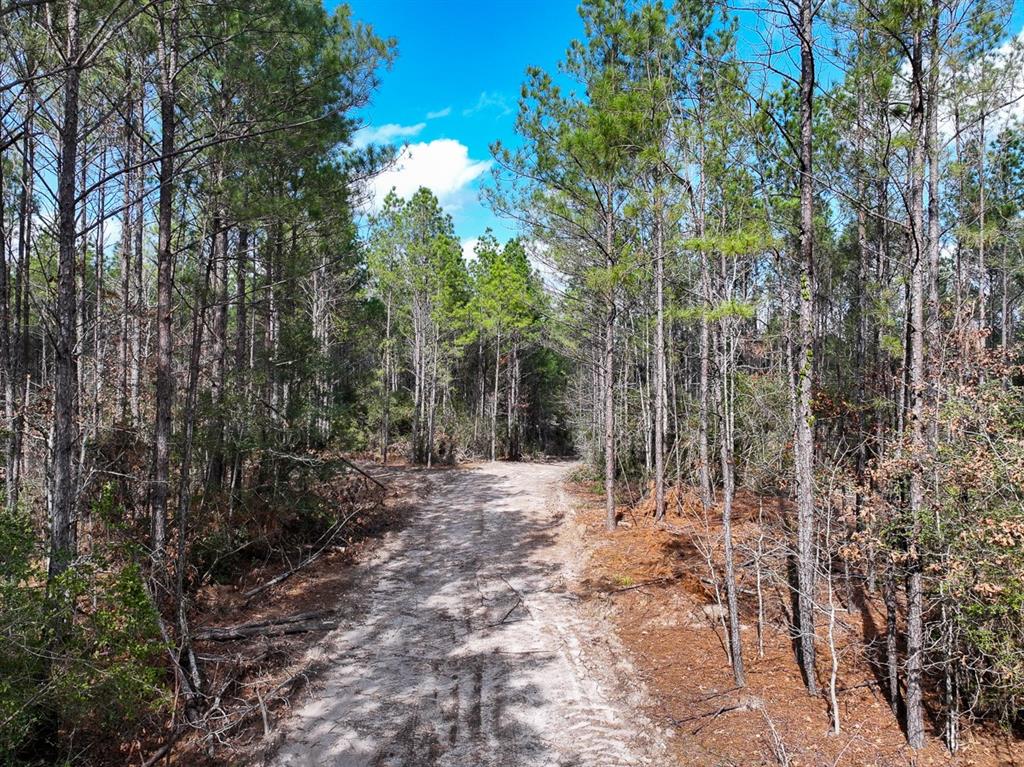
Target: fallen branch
{"type": "Point", "coordinates": [711, 696]}
{"type": "Point", "coordinates": [374, 480]}
{"type": "Point", "coordinates": [869, 684]}
{"type": "Point", "coordinates": [504, 617]}
{"type": "Point", "coordinates": [640, 585]}
{"type": "Point", "coordinates": [745, 704]}
{"type": "Point", "coordinates": [330, 535]}
{"type": "Point", "coordinates": [295, 624]}
{"type": "Point", "coordinates": [739, 589]}
{"type": "Point", "coordinates": [723, 709]}
{"type": "Point", "coordinates": [161, 752]}
{"type": "Point", "coordinates": [181, 729]}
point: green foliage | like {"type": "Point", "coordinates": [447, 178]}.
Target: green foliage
{"type": "Point", "coordinates": [731, 309]}
{"type": "Point", "coordinates": [110, 659]}
{"type": "Point", "coordinates": [740, 243]}
{"type": "Point", "coordinates": [102, 672]}
{"type": "Point", "coordinates": [506, 294]}
{"type": "Point", "coordinates": [23, 620]}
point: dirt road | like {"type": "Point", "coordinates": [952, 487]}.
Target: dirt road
{"type": "Point", "coordinates": [467, 649]}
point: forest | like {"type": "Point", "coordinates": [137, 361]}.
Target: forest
{"type": "Point", "coordinates": [775, 250]}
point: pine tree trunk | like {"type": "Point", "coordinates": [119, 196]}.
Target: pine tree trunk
{"type": "Point", "coordinates": [804, 437]}
{"type": "Point", "coordinates": [219, 267]}
{"type": "Point", "coordinates": [63, 538]}
{"type": "Point", "coordinates": [385, 428]}
{"type": "Point", "coordinates": [510, 399]}
{"type": "Point", "coordinates": [728, 492]}
{"type": "Point", "coordinates": [185, 654]}
{"type": "Point", "coordinates": [8, 375]}
{"type": "Point", "coordinates": [517, 379]}
{"type": "Point", "coordinates": [98, 334]}
{"type": "Point", "coordinates": [609, 378]}
{"type": "Point", "coordinates": [659, 364]}
{"type": "Point", "coordinates": [165, 290]}
{"type": "Point", "coordinates": [417, 397]}
{"type": "Point", "coordinates": [933, 333]}
{"type": "Point", "coordinates": [140, 327]}
{"type": "Point", "coordinates": [983, 286]}
{"type": "Point", "coordinates": [916, 395]}
{"type": "Point", "coordinates": [704, 350]}
{"type": "Point", "coordinates": [241, 345]}
{"type": "Point", "coordinates": [892, 658]}
{"type": "Point", "coordinates": [861, 372]}
{"type": "Point", "coordinates": [20, 351]}
{"type": "Point", "coordinates": [432, 409]}
{"type": "Point", "coordinates": [127, 159]}
{"type": "Point", "coordinates": [494, 402]}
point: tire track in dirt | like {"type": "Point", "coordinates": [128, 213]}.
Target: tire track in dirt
{"type": "Point", "coordinates": [466, 647]}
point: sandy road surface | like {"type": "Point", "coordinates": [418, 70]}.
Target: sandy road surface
{"type": "Point", "coordinates": [466, 649]}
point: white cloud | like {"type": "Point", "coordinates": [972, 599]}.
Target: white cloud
{"type": "Point", "coordinates": [443, 166]}
{"type": "Point", "coordinates": [1008, 58]}
{"type": "Point", "coordinates": [539, 254]}
{"type": "Point", "coordinates": [469, 249]}
{"type": "Point", "coordinates": [385, 134]}
{"type": "Point", "coordinates": [111, 231]}
{"type": "Point", "coordinates": [439, 113]}
{"type": "Point", "coordinates": [995, 82]}
{"type": "Point", "coordinates": [489, 101]}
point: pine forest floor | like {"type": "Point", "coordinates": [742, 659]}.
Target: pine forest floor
{"type": "Point", "coordinates": [654, 584]}
{"type": "Point", "coordinates": [486, 619]}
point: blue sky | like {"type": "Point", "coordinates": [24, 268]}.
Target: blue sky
{"type": "Point", "coordinates": [454, 88]}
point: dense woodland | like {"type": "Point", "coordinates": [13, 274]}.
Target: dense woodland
{"type": "Point", "coordinates": [780, 251]}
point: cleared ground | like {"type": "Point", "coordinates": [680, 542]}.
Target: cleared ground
{"type": "Point", "coordinates": [466, 647]}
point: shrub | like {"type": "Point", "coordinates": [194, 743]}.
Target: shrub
{"type": "Point", "coordinates": [103, 674]}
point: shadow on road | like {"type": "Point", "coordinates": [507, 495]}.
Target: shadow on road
{"type": "Point", "coordinates": [460, 649]}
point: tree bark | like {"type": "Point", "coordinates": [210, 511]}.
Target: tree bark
{"type": "Point", "coordinates": [140, 327]}
{"type": "Point", "coordinates": [98, 334]}
{"type": "Point", "coordinates": [804, 437]}
{"type": "Point", "coordinates": [916, 395]}
{"type": "Point", "coordinates": [165, 287]}
{"type": "Point", "coordinates": [728, 492]}
{"type": "Point", "coordinates": [63, 538]}
{"type": "Point", "coordinates": [185, 654]}
{"type": "Point", "coordinates": [698, 202]}
{"type": "Point", "coordinates": [385, 428]}
{"type": "Point", "coordinates": [609, 376]}
{"type": "Point", "coordinates": [241, 345]}
{"type": "Point", "coordinates": [20, 352]}
{"type": "Point", "coordinates": [494, 402]}
{"type": "Point", "coordinates": [983, 286]}
{"type": "Point", "coordinates": [659, 364]}
{"type": "Point", "coordinates": [219, 267]}
{"type": "Point", "coordinates": [128, 160]}
{"type": "Point", "coordinates": [7, 365]}
{"type": "Point", "coordinates": [432, 409]}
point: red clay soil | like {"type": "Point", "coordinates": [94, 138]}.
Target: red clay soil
{"type": "Point", "coordinates": [656, 583]}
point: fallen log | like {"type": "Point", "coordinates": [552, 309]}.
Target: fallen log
{"type": "Point", "coordinates": [294, 624]}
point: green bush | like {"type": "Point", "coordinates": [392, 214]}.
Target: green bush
{"type": "Point", "coordinates": [102, 673]}
{"type": "Point", "coordinates": [22, 634]}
